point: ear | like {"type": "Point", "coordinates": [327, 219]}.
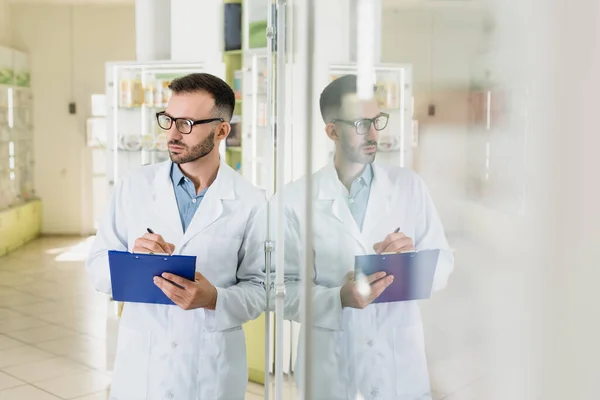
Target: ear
{"type": "Point", "coordinates": [223, 131]}
{"type": "Point", "coordinates": [332, 131]}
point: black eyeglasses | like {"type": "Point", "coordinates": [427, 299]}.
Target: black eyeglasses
{"type": "Point", "coordinates": [183, 125]}
{"type": "Point", "coordinates": [363, 125]}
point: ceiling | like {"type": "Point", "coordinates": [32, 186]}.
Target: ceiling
{"type": "Point", "coordinates": [385, 3]}
{"type": "Point", "coordinates": [77, 2]}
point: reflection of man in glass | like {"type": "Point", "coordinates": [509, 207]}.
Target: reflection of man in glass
{"type": "Point", "coordinates": [360, 207]}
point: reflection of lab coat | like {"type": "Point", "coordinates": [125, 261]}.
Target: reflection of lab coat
{"type": "Point", "coordinates": [165, 352]}
{"type": "Point", "coordinates": [378, 351]}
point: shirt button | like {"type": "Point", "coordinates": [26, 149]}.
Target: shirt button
{"type": "Point", "coordinates": [174, 345]}
{"type": "Point", "coordinates": [193, 200]}
{"type": "Point", "coordinates": [370, 343]}
{"type": "Point", "coordinates": [351, 201]}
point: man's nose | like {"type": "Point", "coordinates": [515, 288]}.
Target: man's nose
{"type": "Point", "coordinates": [174, 134]}
{"type": "Point", "coordinates": [372, 134]}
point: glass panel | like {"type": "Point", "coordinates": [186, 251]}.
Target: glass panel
{"type": "Point", "coordinates": [375, 229]}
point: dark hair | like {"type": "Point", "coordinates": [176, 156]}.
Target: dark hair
{"type": "Point", "coordinates": [215, 86]}
{"type": "Point", "coordinates": [333, 94]}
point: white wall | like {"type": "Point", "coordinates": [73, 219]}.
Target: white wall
{"type": "Point", "coordinates": [5, 34]}
{"type": "Point", "coordinates": [440, 44]}
{"type": "Point", "coordinates": [67, 64]}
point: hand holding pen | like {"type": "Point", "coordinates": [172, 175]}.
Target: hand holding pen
{"type": "Point", "coordinates": [153, 244]}
{"type": "Point", "coordinates": [396, 242]}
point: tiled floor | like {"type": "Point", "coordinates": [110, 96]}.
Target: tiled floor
{"type": "Point", "coordinates": [53, 329]}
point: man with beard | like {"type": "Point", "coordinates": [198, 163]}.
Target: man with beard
{"type": "Point", "coordinates": [194, 204]}
{"type": "Point", "coordinates": [360, 349]}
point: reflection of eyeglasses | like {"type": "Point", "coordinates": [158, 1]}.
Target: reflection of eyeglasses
{"type": "Point", "coordinates": [363, 125]}
{"type": "Point", "coordinates": [183, 125]}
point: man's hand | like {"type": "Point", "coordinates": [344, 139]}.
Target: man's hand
{"type": "Point", "coordinates": [352, 296]}
{"type": "Point", "coordinates": [198, 294]}
{"type": "Point", "coordinates": [394, 243]}
{"type": "Point", "coordinates": [152, 243]}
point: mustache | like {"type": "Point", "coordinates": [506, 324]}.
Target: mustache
{"type": "Point", "coordinates": [177, 143]}
{"type": "Point", "coordinates": [370, 143]}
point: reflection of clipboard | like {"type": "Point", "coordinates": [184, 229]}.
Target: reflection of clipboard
{"type": "Point", "coordinates": [132, 275]}
{"type": "Point", "coordinates": [413, 273]}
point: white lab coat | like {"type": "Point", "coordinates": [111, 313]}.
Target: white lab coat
{"type": "Point", "coordinates": [164, 352]}
{"type": "Point", "coordinates": [379, 351]}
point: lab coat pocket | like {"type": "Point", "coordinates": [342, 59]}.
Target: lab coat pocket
{"type": "Point", "coordinates": [223, 372]}
{"type": "Point", "coordinates": [219, 258]}
{"type": "Point", "coordinates": [330, 364]}
{"type": "Point", "coordinates": [130, 378]}
{"type": "Point", "coordinates": [410, 364]}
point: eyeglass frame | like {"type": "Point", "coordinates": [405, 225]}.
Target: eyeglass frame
{"type": "Point", "coordinates": [356, 122]}
{"type": "Point", "coordinates": [190, 121]}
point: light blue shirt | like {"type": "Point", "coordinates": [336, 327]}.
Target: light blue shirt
{"type": "Point", "coordinates": [358, 196]}
{"type": "Point", "coordinates": [185, 193]}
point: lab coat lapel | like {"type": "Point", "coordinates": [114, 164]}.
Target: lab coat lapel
{"type": "Point", "coordinates": [165, 204]}
{"type": "Point", "coordinates": [211, 207]}
{"type": "Point", "coordinates": [329, 190]}
{"type": "Point", "coordinates": [379, 205]}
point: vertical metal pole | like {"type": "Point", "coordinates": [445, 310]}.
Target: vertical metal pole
{"type": "Point", "coordinates": [307, 274]}
{"type": "Point", "coordinates": [280, 129]}
{"type": "Point", "coordinates": [270, 190]}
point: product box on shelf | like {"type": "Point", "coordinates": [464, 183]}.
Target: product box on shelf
{"type": "Point", "coordinates": [237, 84]}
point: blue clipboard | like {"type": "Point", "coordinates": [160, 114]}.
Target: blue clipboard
{"type": "Point", "coordinates": [413, 273]}
{"type": "Point", "coordinates": [132, 275]}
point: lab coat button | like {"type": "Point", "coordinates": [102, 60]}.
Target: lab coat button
{"type": "Point", "coordinates": [170, 395]}
{"type": "Point", "coordinates": [370, 343]}
{"type": "Point", "coordinates": [174, 345]}
{"type": "Point", "coordinates": [374, 392]}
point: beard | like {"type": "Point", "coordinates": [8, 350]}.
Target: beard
{"type": "Point", "coordinates": [195, 153]}
{"type": "Point", "coordinates": [356, 154]}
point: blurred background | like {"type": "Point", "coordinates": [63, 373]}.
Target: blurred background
{"type": "Point", "coordinates": [492, 103]}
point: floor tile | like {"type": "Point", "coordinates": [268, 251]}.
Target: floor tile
{"type": "Point", "coordinates": [92, 326]}
{"type": "Point", "coordinates": [26, 393]}
{"type": "Point", "coordinates": [43, 334]}
{"type": "Point", "coordinates": [71, 345]}
{"type": "Point", "coordinates": [76, 385]}
{"type": "Point", "coordinates": [22, 355]}
{"type": "Point", "coordinates": [6, 314]}
{"type": "Point", "coordinates": [38, 309]}
{"type": "Point", "coordinates": [19, 299]}
{"type": "Point", "coordinates": [7, 343]}
{"type": "Point", "coordinates": [68, 314]}
{"type": "Point", "coordinates": [21, 323]}
{"type": "Point", "coordinates": [94, 358]}
{"type": "Point", "coordinates": [7, 381]}
{"type": "Point", "coordinates": [95, 396]}
{"type": "Point", "coordinates": [47, 369]}
{"type": "Point", "coordinates": [15, 280]}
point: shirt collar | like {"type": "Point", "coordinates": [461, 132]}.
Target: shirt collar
{"type": "Point", "coordinates": [366, 178]}
{"type": "Point", "coordinates": [176, 175]}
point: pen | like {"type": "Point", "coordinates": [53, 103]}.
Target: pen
{"type": "Point", "coordinates": [393, 252]}
{"type": "Point", "coordinates": [152, 253]}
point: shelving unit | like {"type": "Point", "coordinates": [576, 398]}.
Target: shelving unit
{"type": "Point", "coordinates": [393, 91]}
{"type": "Point", "coordinates": [135, 93]}
{"type": "Point", "coordinates": [20, 209]}
{"type": "Point", "coordinates": [243, 71]}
